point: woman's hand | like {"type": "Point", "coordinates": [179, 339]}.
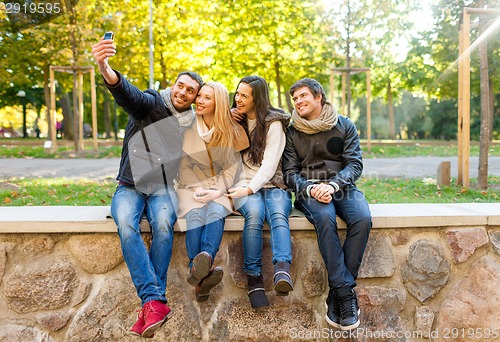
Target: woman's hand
{"type": "Point", "coordinates": [238, 192]}
{"type": "Point", "coordinates": [237, 115]}
{"type": "Point", "coordinates": [205, 196]}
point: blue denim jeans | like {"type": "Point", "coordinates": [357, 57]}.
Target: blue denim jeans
{"type": "Point", "coordinates": [147, 269]}
{"type": "Point", "coordinates": [273, 205]}
{"type": "Point", "coordinates": [204, 228]}
{"type": "Point", "coordinates": [342, 262]}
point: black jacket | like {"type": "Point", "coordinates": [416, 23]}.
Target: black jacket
{"type": "Point", "coordinates": [144, 108]}
{"type": "Point", "coordinates": [330, 156]}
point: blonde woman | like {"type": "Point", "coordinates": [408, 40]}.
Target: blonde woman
{"type": "Point", "coordinates": [209, 166]}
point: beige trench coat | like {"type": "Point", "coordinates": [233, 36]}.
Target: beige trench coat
{"type": "Point", "coordinates": [207, 166]}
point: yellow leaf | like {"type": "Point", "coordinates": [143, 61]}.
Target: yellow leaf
{"type": "Point", "coordinates": [7, 200]}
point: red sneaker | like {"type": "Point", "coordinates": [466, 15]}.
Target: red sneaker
{"type": "Point", "coordinates": [139, 325]}
{"type": "Point", "coordinates": [155, 314]}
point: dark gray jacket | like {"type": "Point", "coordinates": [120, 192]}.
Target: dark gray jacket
{"type": "Point", "coordinates": [330, 156]}
{"type": "Point", "coordinates": [144, 108]}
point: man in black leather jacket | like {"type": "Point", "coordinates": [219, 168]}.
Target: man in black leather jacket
{"type": "Point", "coordinates": [149, 164]}
{"type": "Point", "coordinates": [321, 162]}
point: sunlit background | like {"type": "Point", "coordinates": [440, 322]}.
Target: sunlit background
{"type": "Point", "coordinates": [410, 48]}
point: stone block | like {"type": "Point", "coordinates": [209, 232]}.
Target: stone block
{"type": "Point", "coordinates": [44, 284]}
{"type": "Point", "coordinates": [472, 303]}
{"type": "Point", "coordinates": [443, 174]}
{"type": "Point", "coordinates": [378, 260]}
{"type": "Point", "coordinates": [464, 242]}
{"type": "Point", "coordinates": [425, 271]}
{"type": "Point", "coordinates": [424, 318]}
{"type": "Point", "coordinates": [495, 241]}
{"type": "Point", "coordinates": [96, 253]}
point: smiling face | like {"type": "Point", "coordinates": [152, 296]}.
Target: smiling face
{"type": "Point", "coordinates": [244, 100]}
{"type": "Point", "coordinates": [184, 92]}
{"type": "Point", "coordinates": [205, 102]}
{"type": "Point", "coordinates": [306, 105]}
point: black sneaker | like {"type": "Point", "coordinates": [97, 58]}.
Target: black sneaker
{"type": "Point", "coordinates": [332, 310]}
{"type": "Point", "coordinates": [257, 293]}
{"type": "Point", "coordinates": [349, 310]}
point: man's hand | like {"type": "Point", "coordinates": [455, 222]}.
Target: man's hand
{"type": "Point", "coordinates": [322, 192]}
{"type": "Point", "coordinates": [102, 51]}
{"type": "Point", "coordinates": [238, 192]}
{"type": "Point", "coordinates": [237, 115]}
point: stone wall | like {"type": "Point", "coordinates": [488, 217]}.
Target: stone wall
{"type": "Point", "coordinates": [418, 284]}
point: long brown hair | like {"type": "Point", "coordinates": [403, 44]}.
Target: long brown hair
{"type": "Point", "coordinates": [263, 107]}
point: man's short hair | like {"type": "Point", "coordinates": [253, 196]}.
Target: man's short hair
{"type": "Point", "coordinates": [193, 75]}
{"type": "Point", "coordinates": [314, 86]}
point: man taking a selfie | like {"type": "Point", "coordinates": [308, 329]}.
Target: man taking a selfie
{"type": "Point", "coordinates": [149, 164]}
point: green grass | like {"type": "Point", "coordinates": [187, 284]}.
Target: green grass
{"type": "Point", "coordinates": [56, 191]}
{"type": "Point", "coordinates": [64, 192]}
{"type": "Point", "coordinates": [421, 190]}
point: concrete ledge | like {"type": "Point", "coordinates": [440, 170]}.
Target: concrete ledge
{"type": "Point", "coordinates": [96, 219]}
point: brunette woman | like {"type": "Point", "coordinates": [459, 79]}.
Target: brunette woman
{"type": "Point", "coordinates": [261, 194]}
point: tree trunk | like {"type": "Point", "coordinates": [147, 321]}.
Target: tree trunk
{"type": "Point", "coordinates": [46, 95]}
{"type": "Point", "coordinates": [289, 103]}
{"type": "Point", "coordinates": [76, 115]}
{"type": "Point", "coordinates": [391, 111]}
{"type": "Point", "coordinates": [484, 139]}
{"type": "Point", "coordinates": [65, 102]}
{"type": "Point", "coordinates": [348, 60]}
{"type": "Point", "coordinates": [492, 109]}
{"type": "Point", "coordinates": [278, 82]}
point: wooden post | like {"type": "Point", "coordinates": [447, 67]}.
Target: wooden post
{"type": "Point", "coordinates": [466, 102]}
{"type": "Point", "coordinates": [94, 108]}
{"type": "Point", "coordinates": [484, 140]}
{"type": "Point", "coordinates": [344, 72]}
{"type": "Point", "coordinates": [52, 115]}
{"type": "Point", "coordinates": [460, 105]}
{"type": "Point", "coordinates": [78, 110]}
{"type": "Point", "coordinates": [77, 72]}
{"type": "Point", "coordinates": [368, 111]}
{"type": "Point", "coordinates": [443, 174]}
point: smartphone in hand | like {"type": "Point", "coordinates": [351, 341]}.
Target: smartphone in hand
{"type": "Point", "coordinates": [109, 36]}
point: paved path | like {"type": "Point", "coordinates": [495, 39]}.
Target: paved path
{"type": "Point", "coordinates": [413, 167]}
{"type": "Point", "coordinates": [410, 167]}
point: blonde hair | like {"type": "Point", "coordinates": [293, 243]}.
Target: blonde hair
{"type": "Point", "coordinates": [225, 127]}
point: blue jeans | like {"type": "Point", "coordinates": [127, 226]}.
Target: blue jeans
{"type": "Point", "coordinates": [342, 262]}
{"type": "Point", "coordinates": [204, 228]}
{"type": "Point", "coordinates": [147, 269]}
{"type": "Point", "coordinates": [273, 205]}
